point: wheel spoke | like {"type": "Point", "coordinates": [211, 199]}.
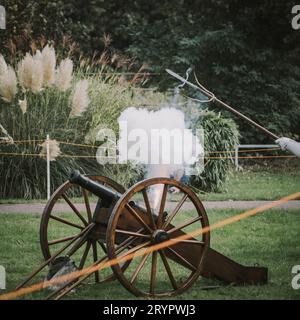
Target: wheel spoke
{"type": "Point", "coordinates": [149, 210]}
{"type": "Point", "coordinates": [153, 272]}
{"type": "Point", "coordinates": [139, 268]}
{"type": "Point", "coordinates": [56, 241]}
{"type": "Point", "coordinates": [135, 249]}
{"type": "Point", "coordinates": [101, 244]}
{"type": "Point", "coordinates": [131, 233]}
{"type": "Point", "coordinates": [75, 225]}
{"type": "Point", "coordinates": [95, 257]}
{"type": "Point", "coordinates": [87, 204]}
{"type": "Point", "coordinates": [175, 211]}
{"type": "Point", "coordinates": [168, 269]}
{"type": "Point", "coordinates": [137, 217]}
{"type": "Point", "coordinates": [126, 243]}
{"type": "Point", "coordinates": [80, 241]}
{"type": "Point", "coordinates": [181, 258]}
{"type": "Point", "coordinates": [74, 209]}
{"type": "Point", "coordinates": [191, 241]}
{"type": "Point", "coordinates": [85, 254]}
{"type": "Point", "coordinates": [77, 246]}
{"type": "Point", "coordinates": [162, 206]}
{"type": "Point", "coordinates": [185, 224]}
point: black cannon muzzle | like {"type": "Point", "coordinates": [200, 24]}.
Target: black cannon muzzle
{"type": "Point", "coordinates": [107, 195]}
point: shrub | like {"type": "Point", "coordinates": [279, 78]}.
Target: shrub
{"type": "Point", "coordinates": [220, 136]}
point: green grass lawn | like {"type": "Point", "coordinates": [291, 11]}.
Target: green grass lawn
{"type": "Point", "coordinates": [259, 184]}
{"type": "Point", "coordinates": [270, 239]}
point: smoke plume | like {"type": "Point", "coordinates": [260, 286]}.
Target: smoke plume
{"type": "Point", "coordinates": [153, 134]}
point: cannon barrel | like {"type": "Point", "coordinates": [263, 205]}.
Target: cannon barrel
{"type": "Point", "coordinates": [107, 195]}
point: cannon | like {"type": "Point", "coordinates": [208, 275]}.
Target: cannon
{"type": "Point", "coordinates": [123, 223]}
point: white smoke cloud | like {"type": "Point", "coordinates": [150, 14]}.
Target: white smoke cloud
{"type": "Point", "coordinates": [161, 139]}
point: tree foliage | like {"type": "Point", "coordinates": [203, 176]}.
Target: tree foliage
{"type": "Point", "coordinates": [244, 51]}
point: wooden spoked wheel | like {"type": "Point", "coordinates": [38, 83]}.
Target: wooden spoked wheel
{"type": "Point", "coordinates": [170, 270]}
{"type": "Point", "coordinates": [71, 230]}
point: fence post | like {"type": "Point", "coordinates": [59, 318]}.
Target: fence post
{"type": "Point", "coordinates": [48, 167]}
{"type": "Point", "coordinates": [236, 157]}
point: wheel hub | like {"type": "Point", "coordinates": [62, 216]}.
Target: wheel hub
{"type": "Point", "coordinates": [160, 236]}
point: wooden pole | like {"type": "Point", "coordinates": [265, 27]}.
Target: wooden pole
{"type": "Point", "coordinates": [48, 166]}
{"type": "Point", "coordinates": [240, 115]}
{"type": "Point", "coordinates": [222, 104]}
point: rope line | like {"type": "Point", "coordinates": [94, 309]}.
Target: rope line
{"type": "Point", "coordinates": [248, 150]}
{"type": "Point", "coordinates": [21, 141]}
{"type": "Point", "coordinates": [92, 157]}
{"type": "Point", "coordinates": [225, 151]}
{"type": "Point", "coordinates": [90, 270]}
{"type": "Point", "coordinates": [126, 73]}
{"type": "Point", "coordinates": [22, 154]}
{"type": "Point", "coordinates": [95, 147]}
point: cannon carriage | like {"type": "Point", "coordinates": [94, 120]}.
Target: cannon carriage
{"type": "Point", "coordinates": [150, 257]}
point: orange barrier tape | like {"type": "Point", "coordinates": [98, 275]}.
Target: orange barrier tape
{"type": "Point", "coordinates": [90, 270]}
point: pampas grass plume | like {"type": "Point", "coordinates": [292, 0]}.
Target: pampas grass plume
{"type": "Point", "coordinates": [64, 74]}
{"type": "Point", "coordinates": [80, 99]}
{"type": "Point", "coordinates": [8, 84]}
{"type": "Point", "coordinates": [49, 63]}
{"type": "Point", "coordinates": [54, 149]}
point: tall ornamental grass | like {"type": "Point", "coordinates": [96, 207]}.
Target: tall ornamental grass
{"type": "Point", "coordinates": [40, 95]}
